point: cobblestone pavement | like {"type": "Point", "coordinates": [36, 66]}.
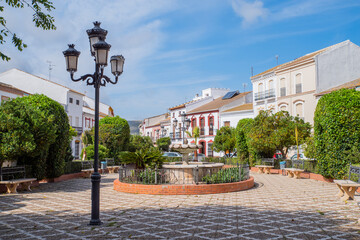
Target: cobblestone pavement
{"type": "Point", "coordinates": [276, 208]}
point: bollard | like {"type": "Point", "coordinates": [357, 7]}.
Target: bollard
{"type": "Point", "coordinates": [155, 174]}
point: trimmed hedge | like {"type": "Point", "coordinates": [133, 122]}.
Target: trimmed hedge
{"type": "Point", "coordinates": [337, 131]}
{"type": "Point", "coordinates": [72, 167]}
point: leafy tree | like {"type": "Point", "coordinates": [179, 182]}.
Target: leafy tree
{"type": "Point", "coordinates": [195, 134]}
{"type": "Point", "coordinates": [144, 158]}
{"type": "Point", "coordinates": [87, 138]}
{"type": "Point", "coordinates": [114, 134]}
{"type": "Point", "coordinates": [225, 140]}
{"type": "Point", "coordinates": [276, 132]}
{"type": "Point", "coordinates": [242, 137]}
{"type": "Point", "coordinates": [90, 152]}
{"type": "Point", "coordinates": [163, 143]}
{"type": "Point", "coordinates": [138, 142]}
{"type": "Point", "coordinates": [34, 130]}
{"type": "Point", "coordinates": [337, 131]}
{"type": "Point", "coordinates": [310, 150]}
{"type": "Point", "coordinates": [40, 18]}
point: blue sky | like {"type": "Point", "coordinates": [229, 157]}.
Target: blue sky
{"type": "Point", "coordinates": [176, 48]}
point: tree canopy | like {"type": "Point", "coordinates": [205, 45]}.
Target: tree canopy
{"type": "Point", "coordinates": [276, 132]}
{"type": "Point", "coordinates": [242, 137]}
{"type": "Point", "coordinates": [225, 140]}
{"type": "Point", "coordinates": [114, 134]}
{"type": "Point", "coordinates": [163, 143]}
{"type": "Point", "coordinates": [41, 18]}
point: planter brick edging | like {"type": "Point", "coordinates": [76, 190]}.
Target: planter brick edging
{"type": "Point", "coordinates": [183, 189]}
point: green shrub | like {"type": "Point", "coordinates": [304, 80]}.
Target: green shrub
{"type": "Point", "coordinates": [163, 143]}
{"type": "Point", "coordinates": [103, 152]}
{"type": "Point", "coordinates": [72, 167]}
{"type": "Point", "coordinates": [242, 137]}
{"type": "Point", "coordinates": [172, 159]}
{"type": "Point", "coordinates": [35, 131]}
{"type": "Point", "coordinates": [144, 158]}
{"type": "Point", "coordinates": [138, 142]}
{"type": "Point", "coordinates": [226, 175]}
{"type": "Point", "coordinates": [337, 131]}
{"type": "Point", "coordinates": [114, 134]}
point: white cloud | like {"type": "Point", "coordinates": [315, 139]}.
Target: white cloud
{"type": "Point", "coordinates": [250, 11]}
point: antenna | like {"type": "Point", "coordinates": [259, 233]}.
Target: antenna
{"type": "Point", "coordinates": [244, 85]}
{"type": "Point", "coordinates": [50, 68]}
{"type": "Point", "coordinates": [277, 59]}
{"type": "Point", "coordinates": [252, 71]}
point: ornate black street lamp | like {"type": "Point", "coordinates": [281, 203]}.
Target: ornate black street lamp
{"type": "Point", "coordinates": [99, 50]}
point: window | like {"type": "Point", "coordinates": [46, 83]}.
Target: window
{"type": "Point", "coordinates": [260, 87]}
{"type": "Point", "coordinates": [210, 151]}
{"type": "Point", "coordinates": [211, 126]}
{"type": "Point", "coordinates": [77, 149]}
{"type": "Point", "coordinates": [283, 108]}
{"type": "Point", "coordinates": [202, 126]}
{"type": "Point", "coordinates": [173, 114]}
{"type": "Point", "coordinates": [77, 102]}
{"type": "Point", "coordinates": [179, 113]}
{"type": "Point", "coordinates": [227, 123]}
{"type": "Point", "coordinates": [4, 98]}
{"type": "Point", "coordinates": [77, 124]}
{"type": "Point", "coordinates": [271, 84]}
{"type": "Point", "coordinates": [282, 87]}
{"type": "Point", "coordinates": [193, 123]}
{"type": "Point", "coordinates": [298, 85]}
{"type": "Point", "coordinates": [299, 110]}
{"type": "Point", "coordinates": [70, 100]}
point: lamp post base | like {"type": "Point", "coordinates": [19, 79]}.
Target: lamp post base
{"type": "Point", "coordinates": [95, 222]}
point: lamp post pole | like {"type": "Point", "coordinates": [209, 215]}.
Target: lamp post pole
{"type": "Point", "coordinates": [99, 50]}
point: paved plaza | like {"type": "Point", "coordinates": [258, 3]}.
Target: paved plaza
{"type": "Point", "coordinates": [276, 208]}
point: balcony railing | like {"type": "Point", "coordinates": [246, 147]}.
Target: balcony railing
{"type": "Point", "coordinates": [172, 135]}
{"type": "Point", "coordinates": [79, 130]}
{"type": "Point", "coordinates": [265, 94]}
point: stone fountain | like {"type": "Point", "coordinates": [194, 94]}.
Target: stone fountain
{"type": "Point", "coordinates": [186, 170]}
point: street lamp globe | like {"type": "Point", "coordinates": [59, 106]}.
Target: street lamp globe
{"type": "Point", "coordinates": [183, 115]}
{"type": "Point", "coordinates": [95, 34]}
{"type": "Point", "coordinates": [71, 57]}
{"type": "Point", "coordinates": [101, 49]}
{"type": "Point", "coordinates": [187, 123]}
{"type": "Point", "coordinates": [117, 65]}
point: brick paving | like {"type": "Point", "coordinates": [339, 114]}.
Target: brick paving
{"type": "Point", "coordinates": [276, 208]}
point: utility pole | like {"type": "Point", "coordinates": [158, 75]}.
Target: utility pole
{"type": "Point", "coordinates": [50, 68]}
{"type": "Point", "coordinates": [277, 59]}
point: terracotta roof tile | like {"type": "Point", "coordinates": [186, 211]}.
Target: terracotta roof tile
{"type": "Point", "coordinates": [217, 103]}
{"type": "Point", "coordinates": [353, 84]}
{"type": "Point", "coordinates": [246, 106]}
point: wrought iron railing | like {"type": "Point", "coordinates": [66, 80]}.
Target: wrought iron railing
{"type": "Point", "coordinates": [270, 93]}
{"type": "Point", "coordinates": [197, 175]}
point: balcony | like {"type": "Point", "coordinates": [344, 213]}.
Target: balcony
{"type": "Point", "coordinates": [265, 94]}
{"type": "Point", "coordinates": [78, 129]}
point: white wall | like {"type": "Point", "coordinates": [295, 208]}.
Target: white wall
{"type": "Point", "coordinates": [235, 117]}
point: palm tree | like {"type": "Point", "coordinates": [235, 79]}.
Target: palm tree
{"type": "Point", "coordinates": [195, 134]}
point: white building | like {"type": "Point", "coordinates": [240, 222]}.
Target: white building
{"type": "Point", "coordinates": [225, 110]}
{"type": "Point", "coordinates": [293, 86]}
{"type": "Point", "coordinates": [207, 95]}
{"type": "Point", "coordinates": [155, 127]}
{"type": "Point", "coordinates": [79, 108]}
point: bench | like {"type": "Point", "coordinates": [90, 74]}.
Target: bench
{"type": "Point", "coordinates": [110, 165]}
{"type": "Point", "coordinates": [347, 188]}
{"type": "Point", "coordinates": [265, 168]}
{"type": "Point", "coordinates": [294, 172]}
{"type": "Point", "coordinates": [87, 168]}
{"type": "Point", "coordinates": [8, 178]}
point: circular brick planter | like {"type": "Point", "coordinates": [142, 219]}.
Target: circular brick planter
{"type": "Point", "coordinates": [183, 189]}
